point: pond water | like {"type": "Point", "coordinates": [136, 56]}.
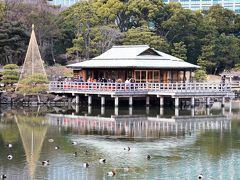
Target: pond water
{"type": "Point", "coordinates": [182, 143]}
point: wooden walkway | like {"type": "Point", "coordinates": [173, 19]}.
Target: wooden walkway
{"type": "Point", "coordinates": [130, 90]}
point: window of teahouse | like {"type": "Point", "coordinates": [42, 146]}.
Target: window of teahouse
{"type": "Point", "coordinates": [151, 76]}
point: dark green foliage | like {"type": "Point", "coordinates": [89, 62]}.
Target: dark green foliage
{"type": "Point", "coordinates": [36, 83]}
{"type": "Point", "coordinates": [13, 42]}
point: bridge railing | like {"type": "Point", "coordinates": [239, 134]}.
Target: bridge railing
{"type": "Point", "coordinates": [137, 87]}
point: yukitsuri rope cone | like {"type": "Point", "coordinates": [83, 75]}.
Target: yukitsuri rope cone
{"type": "Point", "coordinates": [33, 63]}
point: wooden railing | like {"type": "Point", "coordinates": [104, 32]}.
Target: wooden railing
{"type": "Point", "coordinates": [137, 87]}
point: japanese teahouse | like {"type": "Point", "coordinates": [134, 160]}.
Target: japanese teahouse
{"type": "Point", "coordinates": [140, 62]}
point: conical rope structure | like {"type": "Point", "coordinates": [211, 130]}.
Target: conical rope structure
{"type": "Point", "coordinates": [33, 63]}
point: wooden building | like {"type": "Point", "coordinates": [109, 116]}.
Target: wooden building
{"type": "Point", "coordinates": [138, 62]}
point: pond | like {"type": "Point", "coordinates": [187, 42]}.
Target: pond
{"type": "Point", "coordinates": [183, 145]}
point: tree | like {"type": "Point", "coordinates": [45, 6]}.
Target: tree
{"type": "Point", "coordinates": [141, 36]}
{"type": "Point", "coordinates": [10, 74]}
{"type": "Point", "coordinates": [13, 42]}
{"type": "Point", "coordinates": [200, 75]}
{"type": "Point", "coordinates": [227, 52]}
{"type": "Point", "coordinates": [179, 50]}
{"type": "Point", "coordinates": [101, 38]}
{"type": "Point", "coordinates": [207, 59]}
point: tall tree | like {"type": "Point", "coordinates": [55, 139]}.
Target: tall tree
{"type": "Point", "coordinates": [13, 42]}
{"type": "Point", "coordinates": [179, 50]}
{"type": "Point", "coordinates": [141, 36]}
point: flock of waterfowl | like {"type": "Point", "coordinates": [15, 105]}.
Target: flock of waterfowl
{"type": "Point", "coordinates": [85, 164]}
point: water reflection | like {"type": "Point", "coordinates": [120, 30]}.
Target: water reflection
{"type": "Point", "coordinates": [182, 144]}
{"type": "Point", "coordinates": [32, 130]}
{"type": "Point", "coordinates": [136, 126]}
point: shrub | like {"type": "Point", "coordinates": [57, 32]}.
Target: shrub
{"type": "Point", "coordinates": [36, 83]}
{"type": "Point", "coordinates": [10, 74]}
{"type": "Point", "coordinates": [200, 75]}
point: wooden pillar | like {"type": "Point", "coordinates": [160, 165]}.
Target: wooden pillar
{"type": "Point", "coordinates": [208, 101]}
{"type": "Point", "coordinates": [89, 100]}
{"type": "Point", "coordinates": [130, 100]}
{"type": "Point", "coordinates": [77, 99]}
{"type": "Point", "coordinates": [102, 110]}
{"type": "Point", "coordinates": [223, 101]}
{"type": "Point", "coordinates": [116, 111]}
{"type": "Point", "coordinates": [161, 101]}
{"type": "Point", "coordinates": [208, 111]}
{"type": "Point", "coordinates": [176, 102]}
{"type": "Point", "coordinates": [176, 111]}
{"type": "Point", "coordinates": [161, 111]}
{"type": "Point", "coordinates": [130, 110]}
{"type": "Point", "coordinates": [89, 109]}
{"type": "Point", "coordinates": [147, 100]}
{"type": "Point", "coordinates": [184, 76]}
{"type": "Point", "coordinates": [102, 101]}
{"type": "Point", "coordinates": [193, 101]}
{"type": "Point", "coordinates": [116, 101]}
{"type": "Point", "coordinates": [77, 108]}
{"type": "Point", "coordinates": [192, 111]}
{"type": "Point", "coordinates": [147, 110]}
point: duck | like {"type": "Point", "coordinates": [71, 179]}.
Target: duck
{"type": "Point", "coordinates": [74, 143]}
{"type": "Point", "coordinates": [128, 149]}
{"type": "Point", "coordinates": [111, 173]}
{"type": "Point", "coordinates": [102, 161]}
{"type": "Point", "coordinates": [75, 154]}
{"type": "Point", "coordinates": [86, 165]}
{"type": "Point", "coordinates": [45, 163]}
{"type": "Point", "coordinates": [10, 157]}
{"type": "Point", "coordinates": [50, 140]}
{"type": "Point", "coordinates": [200, 176]}
{"type": "Point", "coordinates": [148, 157]}
{"type": "Point", "coordinates": [3, 176]}
{"type": "Point", "coordinates": [9, 145]}
{"type": "Point", "coordinates": [56, 147]}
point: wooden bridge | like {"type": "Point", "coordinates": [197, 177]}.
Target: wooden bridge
{"type": "Point", "coordinates": [130, 90]}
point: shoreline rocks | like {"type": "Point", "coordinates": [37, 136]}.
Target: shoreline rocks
{"type": "Point", "coordinates": [34, 99]}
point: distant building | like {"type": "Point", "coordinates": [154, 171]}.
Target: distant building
{"type": "Point", "coordinates": [64, 3]}
{"type": "Point", "coordinates": [233, 5]}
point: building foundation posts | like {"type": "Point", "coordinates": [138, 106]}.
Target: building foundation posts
{"type": "Point", "coordinates": [192, 101]}
{"type": "Point", "coordinates": [161, 101]}
{"type": "Point", "coordinates": [208, 101]}
{"type": "Point", "coordinates": [176, 102]}
{"type": "Point", "coordinates": [130, 101]}
{"type": "Point", "coordinates": [89, 100]}
{"type": "Point", "coordinates": [77, 99]}
{"type": "Point", "coordinates": [102, 101]}
{"type": "Point", "coordinates": [223, 101]}
{"type": "Point", "coordinates": [147, 101]}
{"type": "Point", "coordinates": [116, 101]}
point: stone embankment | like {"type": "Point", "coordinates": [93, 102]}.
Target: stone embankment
{"type": "Point", "coordinates": [35, 99]}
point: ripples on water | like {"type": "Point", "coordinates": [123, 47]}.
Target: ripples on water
{"type": "Point", "coordinates": [180, 147]}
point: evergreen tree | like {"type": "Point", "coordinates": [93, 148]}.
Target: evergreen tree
{"type": "Point", "coordinates": [179, 50]}
{"type": "Point", "coordinates": [10, 74]}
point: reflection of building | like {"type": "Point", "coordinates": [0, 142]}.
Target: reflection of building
{"type": "Point", "coordinates": [137, 126]}
{"type": "Point", "coordinates": [233, 5]}
{"type": "Point", "coordinates": [140, 62]}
